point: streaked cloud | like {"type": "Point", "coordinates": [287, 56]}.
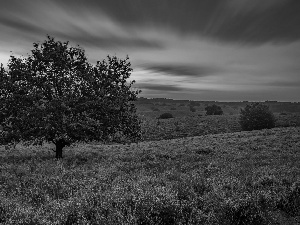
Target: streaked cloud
{"type": "Point", "coordinates": [182, 70]}
{"type": "Point", "coordinates": [192, 49]}
{"type": "Point", "coordinates": [159, 87]}
{"type": "Point", "coordinates": [245, 21]}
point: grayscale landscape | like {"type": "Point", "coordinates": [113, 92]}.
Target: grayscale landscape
{"type": "Point", "coordinates": [150, 112]}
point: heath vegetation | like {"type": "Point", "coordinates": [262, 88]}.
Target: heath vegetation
{"type": "Point", "coordinates": [209, 172]}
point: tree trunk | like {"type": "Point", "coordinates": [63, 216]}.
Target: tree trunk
{"type": "Point", "coordinates": [58, 151]}
{"type": "Point", "coordinates": [59, 145]}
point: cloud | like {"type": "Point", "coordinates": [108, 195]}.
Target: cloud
{"type": "Point", "coordinates": [237, 21]}
{"type": "Point", "coordinates": [242, 21]}
{"type": "Point", "coordinates": [248, 6]}
{"type": "Point", "coordinates": [182, 70]}
{"type": "Point", "coordinates": [19, 24]}
{"type": "Point", "coordinates": [112, 41]}
{"type": "Point", "coordinates": [159, 87]}
{"type": "Point", "coordinates": [283, 83]}
{"type": "Point", "coordinates": [71, 22]}
{"type": "Point", "coordinates": [275, 23]}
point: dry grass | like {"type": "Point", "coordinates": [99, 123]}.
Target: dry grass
{"type": "Point", "coordinates": [195, 125]}
{"type": "Point", "coordinates": [231, 178]}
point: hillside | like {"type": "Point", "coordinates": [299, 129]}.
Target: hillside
{"type": "Point", "coordinates": [229, 108]}
{"type": "Point", "coordinates": [231, 178]}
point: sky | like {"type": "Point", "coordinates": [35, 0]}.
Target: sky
{"type": "Point", "coordinates": [207, 50]}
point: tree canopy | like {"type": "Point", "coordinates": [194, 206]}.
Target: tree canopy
{"type": "Point", "coordinates": [256, 116]}
{"type": "Point", "coordinates": [214, 110]}
{"type": "Point", "coordinates": [56, 95]}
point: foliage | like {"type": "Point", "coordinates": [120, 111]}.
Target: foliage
{"type": "Point", "coordinates": [256, 116]}
{"type": "Point", "coordinates": [56, 95]}
{"type": "Point", "coordinates": [192, 109]}
{"type": "Point", "coordinates": [214, 110]}
{"type": "Point", "coordinates": [165, 116]}
{"type": "Point", "coordinates": [283, 114]}
{"type": "Point", "coordinates": [155, 109]}
{"type": "Point", "coordinates": [193, 103]}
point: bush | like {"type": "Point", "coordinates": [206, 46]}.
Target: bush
{"type": "Point", "coordinates": [256, 116]}
{"type": "Point", "coordinates": [155, 109]}
{"type": "Point", "coordinates": [173, 108]}
{"type": "Point", "coordinates": [165, 116]}
{"type": "Point", "coordinates": [192, 103]}
{"type": "Point", "coordinates": [213, 110]}
{"type": "Point", "coordinates": [283, 114]}
{"type": "Point", "coordinates": [192, 109]}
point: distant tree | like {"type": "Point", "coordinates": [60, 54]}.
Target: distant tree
{"type": "Point", "coordinates": [56, 95]}
{"type": "Point", "coordinates": [165, 116]}
{"type": "Point", "coordinates": [193, 103]}
{"type": "Point", "coordinates": [155, 109]}
{"type": "Point", "coordinates": [256, 116]}
{"type": "Point", "coordinates": [192, 109]}
{"type": "Point", "coordinates": [214, 110]}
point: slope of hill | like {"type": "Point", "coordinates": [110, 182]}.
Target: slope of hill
{"type": "Point", "coordinates": [232, 178]}
{"type": "Point", "coordinates": [195, 125]}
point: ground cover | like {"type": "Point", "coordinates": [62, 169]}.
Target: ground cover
{"type": "Point", "coordinates": [195, 125]}
{"type": "Point", "coordinates": [230, 178]}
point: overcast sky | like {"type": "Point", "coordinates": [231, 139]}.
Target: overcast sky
{"type": "Point", "coordinates": [223, 50]}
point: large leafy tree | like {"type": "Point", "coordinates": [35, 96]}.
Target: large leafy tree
{"type": "Point", "coordinates": [56, 95]}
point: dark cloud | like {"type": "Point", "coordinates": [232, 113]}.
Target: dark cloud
{"type": "Point", "coordinates": [112, 41]}
{"type": "Point", "coordinates": [182, 70]}
{"type": "Point", "coordinates": [158, 87]}
{"type": "Point", "coordinates": [244, 21]}
{"type": "Point", "coordinates": [20, 25]}
{"type": "Point", "coordinates": [277, 24]}
{"type": "Point", "coordinates": [81, 24]}
{"type": "Point", "coordinates": [295, 83]}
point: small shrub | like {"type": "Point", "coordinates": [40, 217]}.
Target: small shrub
{"type": "Point", "coordinates": [165, 116]}
{"type": "Point", "coordinates": [155, 109]}
{"type": "Point", "coordinates": [213, 110]}
{"type": "Point", "coordinates": [256, 116]}
{"type": "Point", "coordinates": [192, 103]}
{"type": "Point", "coordinates": [192, 109]}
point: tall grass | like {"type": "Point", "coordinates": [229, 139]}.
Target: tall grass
{"type": "Point", "coordinates": [240, 178]}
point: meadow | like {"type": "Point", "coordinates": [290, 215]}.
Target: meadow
{"type": "Point", "coordinates": [216, 176]}
{"type": "Point", "coordinates": [188, 124]}
{"type": "Point", "coordinates": [233, 178]}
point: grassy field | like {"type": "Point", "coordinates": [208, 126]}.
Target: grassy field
{"type": "Point", "coordinates": [185, 124]}
{"type": "Point", "coordinates": [230, 178]}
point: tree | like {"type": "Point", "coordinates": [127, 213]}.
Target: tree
{"type": "Point", "coordinates": [56, 95]}
{"type": "Point", "coordinates": [214, 110]}
{"type": "Point", "coordinates": [192, 109]}
{"type": "Point", "coordinates": [165, 116]}
{"type": "Point", "coordinates": [256, 116]}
